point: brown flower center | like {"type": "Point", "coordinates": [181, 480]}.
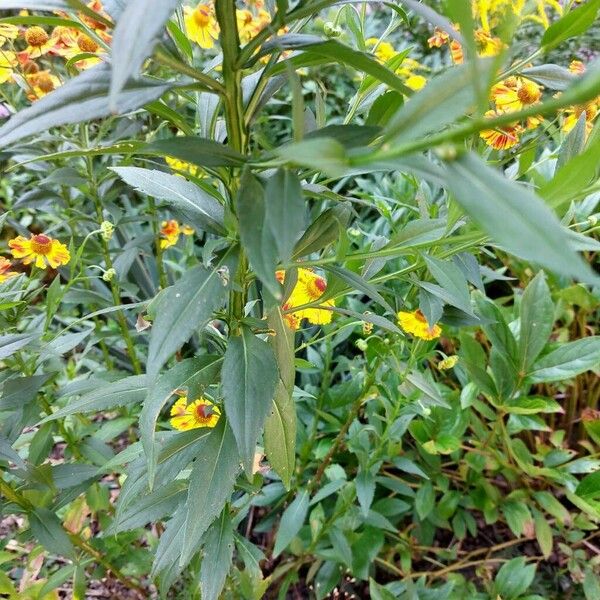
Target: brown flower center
{"type": "Point", "coordinates": [203, 412]}
{"type": "Point", "coordinates": [86, 44]}
{"type": "Point", "coordinates": [45, 83]}
{"type": "Point", "coordinates": [529, 93]}
{"type": "Point", "coordinates": [36, 36]}
{"type": "Point", "coordinates": [30, 68]}
{"type": "Point", "coordinates": [41, 244]}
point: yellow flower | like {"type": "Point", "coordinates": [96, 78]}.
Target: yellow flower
{"type": "Point", "coordinates": [456, 52]}
{"type": "Point", "coordinates": [8, 61]}
{"type": "Point", "coordinates": [183, 166]}
{"type": "Point", "coordinates": [416, 324]}
{"type": "Point", "coordinates": [572, 114]}
{"type": "Point", "coordinates": [171, 230]}
{"type": "Point", "coordinates": [501, 138]}
{"type": "Point", "coordinates": [309, 288]}
{"type": "Point", "coordinates": [199, 413]}
{"type": "Point", "coordinates": [383, 51]}
{"type": "Point", "coordinates": [5, 273]}
{"type": "Point", "coordinates": [38, 42]}
{"type": "Point", "coordinates": [438, 39]}
{"type": "Point", "coordinates": [40, 84]}
{"type": "Point", "coordinates": [201, 26]}
{"type": "Point", "coordinates": [515, 93]}
{"type": "Point", "coordinates": [577, 67]}
{"type": "Point", "coordinates": [487, 44]}
{"type": "Point", "coordinates": [40, 248]}
{"type": "Point", "coordinates": [8, 32]}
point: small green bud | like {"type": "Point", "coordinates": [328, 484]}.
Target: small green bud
{"type": "Point", "coordinates": [446, 152]}
{"type": "Point", "coordinates": [106, 230]}
{"type": "Point", "coordinates": [331, 30]}
{"type": "Point", "coordinates": [362, 345]}
{"type": "Point", "coordinates": [109, 274]}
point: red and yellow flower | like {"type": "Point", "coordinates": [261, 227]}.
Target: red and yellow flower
{"type": "Point", "coordinates": [171, 230]}
{"type": "Point", "coordinates": [516, 93]}
{"type": "Point", "coordinates": [416, 324]}
{"type": "Point", "coordinates": [199, 413]}
{"type": "Point", "coordinates": [38, 43]}
{"type": "Point", "coordinates": [5, 272]}
{"type": "Point", "coordinates": [308, 289]}
{"type": "Point", "coordinates": [501, 137]}
{"type": "Point", "coordinates": [41, 83]}
{"type": "Point", "coordinates": [40, 249]}
{"type": "Point", "coordinates": [438, 39]}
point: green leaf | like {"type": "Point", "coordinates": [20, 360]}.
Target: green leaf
{"type": "Point", "coordinates": [285, 211]}
{"type": "Point", "coordinates": [82, 98]}
{"type": "Point", "coordinates": [256, 235]}
{"type": "Point", "coordinates": [550, 76]}
{"type": "Point", "coordinates": [8, 453]}
{"type": "Point", "coordinates": [324, 230]}
{"type": "Point", "coordinates": [211, 483]}
{"type": "Point", "coordinates": [18, 391]}
{"type": "Point", "coordinates": [280, 425]}
{"type": "Point", "coordinates": [496, 328]}
{"type": "Point", "coordinates": [137, 31]}
{"type": "Point", "coordinates": [249, 378]}
{"type": "Point", "coordinates": [543, 533]}
{"type": "Point", "coordinates": [340, 53]}
{"type": "Point", "coordinates": [514, 578]}
{"type": "Point", "coordinates": [218, 553]}
{"type": "Point", "coordinates": [574, 23]}
{"type": "Point", "coordinates": [452, 280]}
{"type": "Point", "coordinates": [384, 108]}
{"type": "Point", "coordinates": [425, 500]}
{"type": "Point", "coordinates": [291, 522]}
{"type": "Point", "coordinates": [567, 360]}
{"type": "Point", "coordinates": [444, 99]}
{"type": "Point", "coordinates": [12, 342]}
{"type": "Point", "coordinates": [322, 154]}
{"type": "Point", "coordinates": [532, 406]}
{"type": "Point", "coordinates": [574, 143]}
{"type": "Point", "coordinates": [196, 206]}
{"type": "Point", "coordinates": [110, 395]}
{"type": "Point", "coordinates": [591, 584]}
{"type": "Point", "coordinates": [188, 375]}
{"type": "Point", "coordinates": [537, 320]}
{"type": "Point", "coordinates": [47, 529]}
{"type": "Point", "coordinates": [198, 151]}
{"type": "Point", "coordinates": [365, 489]}
{"type": "Point", "coordinates": [182, 308]}
{"type": "Point", "coordinates": [527, 227]}
{"type": "Point", "coordinates": [589, 487]}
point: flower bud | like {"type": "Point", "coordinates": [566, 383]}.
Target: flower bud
{"type": "Point", "coordinates": [362, 345]}
{"type": "Point", "coordinates": [331, 30]}
{"type": "Point", "coordinates": [106, 230]}
{"type": "Point", "coordinates": [109, 274]}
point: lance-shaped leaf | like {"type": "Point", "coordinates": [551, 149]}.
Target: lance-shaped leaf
{"type": "Point", "coordinates": [211, 483]}
{"type": "Point", "coordinates": [82, 98]}
{"type": "Point", "coordinates": [575, 22]}
{"type": "Point", "coordinates": [514, 216]}
{"type": "Point", "coordinates": [188, 375]}
{"type": "Point", "coordinates": [280, 425]}
{"type": "Point", "coordinates": [197, 207]}
{"type": "Point", "coordinates": [291, 521]}
{"type": "Point", "coordinates": [218, 552]}
{"type": "Point", "coordinates": [136, 33]}
{"type": "Point", "coordinates": [184, 307]}
{"type": "Point", "coordinates": [567, 360]}
{"type": "Point", "coordinates": [248, 379]}
{"type": "Point", "coordinates": [199, 151]}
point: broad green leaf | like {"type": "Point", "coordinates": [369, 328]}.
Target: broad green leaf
{"type": "Point", "coordinates": [550, 76]}
{"type": "Point", "coordinates": [134, 37]}
{"type": "Point", "coordinates": [291, 522]}
{"type": "Point", "coordinates": [537, 320]}
{"type": "Point", "coordinates": [514, 578]}
{"type": "Point", "coordinates": [574, 23]}
{"type": "Point", "coordinates": [543, 533]}
{"type": "Point", "coordinates": [195, 205]}
{"type": "Point", "coordinates": [7, 452]}
{"type": "Point", "coordinates": [218, 553]}
{"type": "Point", "coordinates": [285, 211]}
{"type": "Point", "coordinates": [526, 228]}
{"type": "Point", "coordinates": [280, 425]}
{"type": "Point", "coordinates": [424, 500]}
{"type": "Point", "coordinates": [211, 483]}
{"type": "Point", "coordinates": [188, 375]}
{"type": "Point", "coordinates": [567, 360]}
{"type": "Point", "coordinates": [496, 328]}
{"type": "Point", "coordinates": [574, 176]}
{"type": "Point", "coordinates": [589, 487]}
{"type": "Point", "coordinates": [384, 108]}
{"type": "Point", "coordinates": [340, 53]}
{"type": "Point", "coordinates": [256, 235]}
{"type": "Point", "coordinates": [182, 309]}
{"type": "Point", "coordinates": [149, 508]}
{"type": "Point", "coordinates": [532, 406]}
{"type": "Point", "coordinates": [82, 98]}
{"type": "Point", "coordinates": [12, 342]}
{"type": "Point", "coordinates": [591, 584]}
{"type": "Point", "coordinates": [444, 99]}
{"type": "Point", "coordinates": [452, 280]}
{"type": "Point", "coordinates": [198, 151]}
{"type": "Point", "coordinates": [248, 378]}
{"type": "Point", "coordinates": [324, 230]}
{"type": "Point", "coordinates": [119, 393]}
{"type": "Point", "coordinates": [322, 154]}
{"type": "Point", "coordinates": [18, 391]}
{"type": "Point", "coordinates": [47, 530]}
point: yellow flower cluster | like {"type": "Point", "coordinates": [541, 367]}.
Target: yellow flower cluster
{"type": "Point", "coordinates": [308, 289]}
{"type": "Point", "coordinates": [183, 167]}
{"type": "Point", "coordinates": [199, 413]}
{"type": "Point", "coordinates": [40, 249]}
{"type": "Point", "coordinates": [591, 109]}
{"type": "Point", "coordinates": [170, 232]}
{"type": "Point", "coordinates": [66, 42]}
{"type": "Point", "coordinates": [408, 69]}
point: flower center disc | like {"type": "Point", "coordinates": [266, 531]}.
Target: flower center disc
{"type": "Point", "coordinates": [41, 244]}
{"type": "Point", "coordinates": [201, 16]}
